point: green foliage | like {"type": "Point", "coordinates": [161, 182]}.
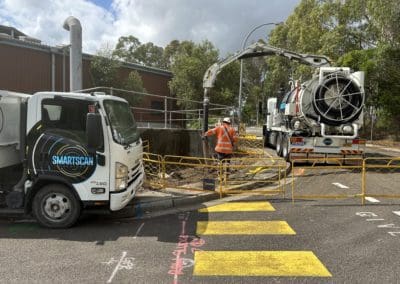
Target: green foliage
{"type": "Point", "coordinates": [104, 68]}
{"type": "Point", "coordinates": [189, 63]}
{"type": "Point", "coordinates": [104, 73]}
{"type": "Point", "coordinates": [126, 47]}
{"type": "Point", "coordinates": [134, 83]}
{"type": "Point", "coordinates": [130, 49]}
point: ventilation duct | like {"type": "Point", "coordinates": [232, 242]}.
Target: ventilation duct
{"type": "Point", "coordinates": [73, 25]}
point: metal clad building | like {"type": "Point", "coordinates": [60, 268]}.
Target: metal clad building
{"type": "Point", "coordinates": [28, 66]}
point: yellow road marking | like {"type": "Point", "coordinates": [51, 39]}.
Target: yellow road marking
{"type": "Point", "coordinates": [240, 206]}
{"type": "Point", "coordinates": [258, 263]}
{"type": "Point", "coordinates": [244, 228]}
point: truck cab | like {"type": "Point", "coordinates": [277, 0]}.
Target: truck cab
{"type": "Point", "coordinates": [74, 151]}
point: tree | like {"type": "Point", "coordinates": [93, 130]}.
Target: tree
{"type": "Point", "coordinates": [150, 55]}
{"type": "Point", "coordinates": [133, 83]}
{"type": "Point", "coordinates": [189, 63]}
{"type": "Point", "coordinates": [125, 48]}
{"type": "Point", "coordinates": [104, 69]}
{"type": "Point", "coordinates": [130, 49]}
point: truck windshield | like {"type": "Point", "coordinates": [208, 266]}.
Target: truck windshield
{"type": "Point", "coordinates": [123, 125]}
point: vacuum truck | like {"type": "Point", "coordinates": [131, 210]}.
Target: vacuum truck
{"type": "Point", "coordinates": [318, 118]}
{"type": "Point", "coordinates": [61, 153]}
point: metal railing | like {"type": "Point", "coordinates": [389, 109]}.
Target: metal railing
{"type": "Point", "coordinates": [167, 113]}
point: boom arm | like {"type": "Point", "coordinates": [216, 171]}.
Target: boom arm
{"type": "Point", "coordinates": [261, 49]}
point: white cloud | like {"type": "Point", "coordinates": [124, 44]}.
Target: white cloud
{"type": "Point", "coordinates": [43, 19]}
{"type": "Point", "coordinates": [223, 22]}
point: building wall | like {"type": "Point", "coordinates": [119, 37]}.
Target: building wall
{"type": "Point", "coordinates": [24, 70]}
{"type": "Point", "coordinates": [27, 68]}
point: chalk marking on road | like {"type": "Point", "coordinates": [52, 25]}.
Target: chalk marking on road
{"type": "Point", "coordinates": [366, 214]}
{"type": "Point", "coordinates": [123, 263]}
{"type": "Point", "coordinates": [375, 220]}
{"type": "Point", "coordinates": [338, 184]}
{"type": "Point", "coordinates": [371, 199]}
{"type": "Point", "coordinates": [394, 234]}
{"type": "Point", "coordinates": [396, 213]}
{"type": "Point", "coordinates": [138, 231]}
{"type": "Point", "coordinates": [391, 226]}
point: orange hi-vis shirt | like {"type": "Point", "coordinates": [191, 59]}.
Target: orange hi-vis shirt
{"type": "Point", "coordinates": [224, 144]}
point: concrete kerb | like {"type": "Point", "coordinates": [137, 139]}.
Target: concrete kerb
{"type": "Point", "coordinates": [150, 201]}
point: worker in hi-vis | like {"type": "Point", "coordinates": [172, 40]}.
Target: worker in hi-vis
{"type": "Point", "coordinates": [226, 138]}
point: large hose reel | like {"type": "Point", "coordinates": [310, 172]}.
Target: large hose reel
{"type": "Point", "coordinates": [338, 100]}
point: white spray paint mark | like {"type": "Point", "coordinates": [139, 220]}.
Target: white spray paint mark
{"type": "Point", "coordinates": [371, 199]}
{"type": "Point", "coordinates": [138, 231]}
{"type": "Point", "coordinates": [375, 219]}
{"type": "Point", "coordinates": [391, 226]}
{"type": "Point", "coordinates": [123, 263]}
{"type": "Point", "coordinates": [366, 214]}
{"type": "Point", "coordinates": [340, 185]}
{"type": "Point", "coordinates": [397, 213]}
{"type": "Point", "coordinates": [394, 234]}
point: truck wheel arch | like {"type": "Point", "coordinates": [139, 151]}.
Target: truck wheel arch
{"type": "Point", "coordinates": [40, 183]}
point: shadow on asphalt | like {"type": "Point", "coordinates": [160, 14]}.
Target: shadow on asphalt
{"type": "Point", "coordinates": [100, 230]}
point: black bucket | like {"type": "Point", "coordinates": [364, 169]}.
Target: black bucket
{"type": "Point", "coordinates": [209, 184]}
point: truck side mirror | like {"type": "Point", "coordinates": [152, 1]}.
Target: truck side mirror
{"type": "Point", "coordinates": [94, 131]}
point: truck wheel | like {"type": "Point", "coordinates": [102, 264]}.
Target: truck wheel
{"type": "Point", "coordinates": [285, 147]}
{"type": "Point", "coordinates": [279, 144]}
{"type": "Point", "coordinates": [55, 206]}
{"type": "Point", "coordinates": [267, 135]}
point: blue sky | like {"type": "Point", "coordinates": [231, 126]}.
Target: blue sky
{"type": "Point", "coordinates": [103, 3]}
{"type": "Point", "coordinates": [224, 22]}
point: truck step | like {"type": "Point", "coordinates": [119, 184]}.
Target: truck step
{"type": "Point", "coordinates": [8, 212]}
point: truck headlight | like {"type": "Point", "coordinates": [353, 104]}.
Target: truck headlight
{"type": "Point", "coordinates": [121, 176]}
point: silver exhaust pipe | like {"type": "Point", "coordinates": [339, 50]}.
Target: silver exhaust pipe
{"type": "Point", "coordinates": [73, 25]}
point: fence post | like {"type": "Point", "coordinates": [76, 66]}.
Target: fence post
{"type": "Point", "coordinates": [293, 170]}
{"type": "Point", "coordinates": [201, 126]}
{"type": "Point", "coordinates": [220, 179]}
{"type": "Point", "coordinates": [163, 168]}
{"type": "Point", "coordinates": [165, 111]}
{"type": "Point", "coordinates": [363, 185]}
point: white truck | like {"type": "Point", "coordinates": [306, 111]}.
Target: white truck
{"type": "Point", "coordinates": [61, 153]}
{"type": "Point", "coordinates": [319, 118]}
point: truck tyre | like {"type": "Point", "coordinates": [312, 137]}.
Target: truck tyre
{"type": "Point", "coordinates": [285, 147]}
{"type": "Point", "coordinates": [279, 144]}
{"type": "Point", "coordinates": [55, 206]}
{"type": "Point", "coordinates": [267, 136]}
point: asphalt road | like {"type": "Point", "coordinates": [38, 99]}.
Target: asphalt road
{"type": "Point", "coordinates": [308, 241]}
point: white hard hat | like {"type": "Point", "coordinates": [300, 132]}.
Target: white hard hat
{"type": "Point", "coordinates": [227, 120]}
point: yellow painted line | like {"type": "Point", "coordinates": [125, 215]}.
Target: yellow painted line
{"type": "Point", "coordinates": [258, 263]}
{"type": "Point", "coordinates": [240, 206]}
{"type": "Point", "coordinates": [244, 228]}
